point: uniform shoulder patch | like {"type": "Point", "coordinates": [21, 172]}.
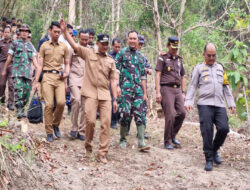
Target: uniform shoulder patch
{"type": "Point", "coordinates": [161, 58]}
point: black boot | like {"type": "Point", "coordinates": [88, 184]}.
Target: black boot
{"type": "Point", "coordinates": [57, 131]}
{"type": "Point", "coordinates": [209, 162]}
{"type": "Point", "coordinates": [10, 107]}
{"type": "Point", "coordinates": [216, 157]}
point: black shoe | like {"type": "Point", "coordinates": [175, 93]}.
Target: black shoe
{"type": "Point", "coordinates": [175, 141]}
{"type": "Point", "coordinates": [169, 147]}
{"type": "Point", "coordinates": [20, 114]}
{"type": "Point", "coordinates": [57, 131]}
{"type": "Point", "coordinates": [217, 159]}
{"type": "Point", "coordinates": [50, 138]}
{"type": "Point", "coordinates": [73, 134]}
{"type": "Point", "coordinates": [209, 165]}
{"type": "Point", "coordinates": [81, 137]}
{"type": "Point", "coordinates": [114, 126]}
{"type": "Point", "coordinates": [10, 107]}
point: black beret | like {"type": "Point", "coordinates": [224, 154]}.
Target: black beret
{"type": "Point", "coordinates": [103, 38]}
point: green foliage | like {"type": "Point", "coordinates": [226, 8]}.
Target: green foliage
{"type": "Point", "coordinates": [12, 147]}
{"type": "Point", "coordinates": [4, 123]}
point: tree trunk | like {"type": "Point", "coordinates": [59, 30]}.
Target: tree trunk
{"type": "Point", "coordinates": [48, 17]}
{"type": "Point", "coordinates": [157, 25]}
{"type": "Point", "coordinates": [118, 17]}
{"type": "Point", "coordinates": [179, 29]}
{"type": "Point", "coordinates": [72, 12]}
{"type": "Point", "coordinates": [87, 13]}
{"type": "Point", "coordinates": [112, 18]}
{"type": "Point", "coordinates": [80, 13]}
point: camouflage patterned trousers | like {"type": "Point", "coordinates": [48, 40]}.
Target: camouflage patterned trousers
{"type": "Point", "coordinates": [22, 88]}
{"type": "Point", "coordinates": [131, 104]}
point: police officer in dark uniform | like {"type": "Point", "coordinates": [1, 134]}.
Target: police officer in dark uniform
{"type": "Point", "coordinates": [170, 91]}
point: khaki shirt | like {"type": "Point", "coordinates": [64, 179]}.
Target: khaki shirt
{"type": "Point", "coordinates": [99, 70]}
{"type": "Point", "coordinates": [53, 55]}
{"type": "Point", "coordinates": [210, 82]}
{"type": "Point", "coordinates": [171, 69]}
{"type": "Point", "coordinates": [77, 65]}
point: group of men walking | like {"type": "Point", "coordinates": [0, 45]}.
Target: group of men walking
{"type": "Point", "coordinates": [114, 84]}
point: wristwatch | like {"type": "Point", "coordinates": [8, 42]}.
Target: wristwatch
{"type": "Point", "coordinates": [115, 99]}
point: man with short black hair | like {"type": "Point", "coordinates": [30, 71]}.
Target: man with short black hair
{"type": "Point", "coordinates": [100, 72]}
{"type": "Point", "coordinates": [4, 22]}
{"type": "Point", "coordinates": [116, 46]}
{"type": "Point", "coordinates": [4, 47]}
{"type": "Point", "coordinates": [132, 82]}
{"type": "Point", "coordinates": [77, 69]}
{"type": "Point", "coordinates": [22, 55]}
{"type": "Point", "coordinates": [91, 32]}
{"type": "Point", "coordinates": [53, 54]}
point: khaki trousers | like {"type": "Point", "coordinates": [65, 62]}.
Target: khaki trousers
{"type": "Point", "coordinates": [52, 86]}
{"type": "Point", "coordinates": [91, 106]}
{"type": "Point", "coordinates": [77, 108]}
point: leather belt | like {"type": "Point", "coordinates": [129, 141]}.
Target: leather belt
{"type": "Point", "coordinates": [51, 71]}
{"type": "Point", "coordinates": [172, 85]}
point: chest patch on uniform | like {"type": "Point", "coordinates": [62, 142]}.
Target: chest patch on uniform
{"type": "Point", "coordinates": [169, 69]}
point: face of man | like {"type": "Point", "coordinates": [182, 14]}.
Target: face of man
{"type": "Point", "coordinates": [116, 47]}
{"type": "Point", "coordinates": [91, 39]}
{"type": "Point", "coordinates": [7, 34]}
{"type": "Point", "coordinates": [103, 47]}
{"type": "Point", "coordinates": [70, 30]}
{"type": "Point", "coordinates": [210, 54]}
{"type": "Point", "coordinates": [55, 33]}
{"type": "Point", "coordinates": [139, 46]}
{"type": "Point", "coordinates": [24, 34]}
{"type": "Point", "coordinates": [132, 40]}
{"type": "Point", "coordinates": [172, 51]}
{"type": "Point", "coordinates": [83, 39]}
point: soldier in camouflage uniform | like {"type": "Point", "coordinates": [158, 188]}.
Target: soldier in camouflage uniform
{"type": "Point", "coordinates": [132, 81]}
{"type": "Point", "coordinates": [22, 54]}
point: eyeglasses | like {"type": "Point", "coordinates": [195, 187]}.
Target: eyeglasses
{"type": "Point", "coordinates": [211, 55]}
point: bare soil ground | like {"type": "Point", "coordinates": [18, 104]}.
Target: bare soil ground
{"type": "Point", "coordinates": [60, 165]}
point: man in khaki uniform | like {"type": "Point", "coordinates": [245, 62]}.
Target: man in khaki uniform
{"type": "Point", "coordinates": [77, 65]}
{"type": "Point", "coordinates": [100, 71]}
{"type": "Point", "coordinates": [52, 55]}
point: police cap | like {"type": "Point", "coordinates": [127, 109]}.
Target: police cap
{"type": "Point", "coordinates": [103, 38]}
{"type": "Point", "coordinates": [173, 42]}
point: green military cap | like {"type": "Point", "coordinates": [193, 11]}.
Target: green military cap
{"type": "Point", "coordinates": [173, 42]}
{"type": "Point", "coordinates": [25, 27]}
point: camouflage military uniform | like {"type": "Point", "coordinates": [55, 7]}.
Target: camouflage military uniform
{"type": "Point", "coordinates": [131, 66]}
{"type": "Point", "coordinates": [22, 53]}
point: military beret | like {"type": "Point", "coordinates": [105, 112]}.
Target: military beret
{"type": "Point", "coordinates": [103, 38]}
{"type": "Point", "coordinates": [173, 42]}
{"type": "Point", "coordinates": [25, 27]}
{"type": "Point", "coordinates": [141, 39]}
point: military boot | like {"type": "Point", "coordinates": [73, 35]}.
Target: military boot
{"type": "Point", "coordinates": [209, 162]}
{"type": "Point", "coordinates": [141, 144]}
{"type": "Point", "coordinates": [123, 141]}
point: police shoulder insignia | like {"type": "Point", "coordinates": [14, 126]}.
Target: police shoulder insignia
{"type": "Point", "coordinates": [160, 58]}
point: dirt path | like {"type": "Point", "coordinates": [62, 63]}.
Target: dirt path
{"type": "Point", "coordinates": [61, 164]}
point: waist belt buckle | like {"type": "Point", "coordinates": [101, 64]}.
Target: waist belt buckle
{"type": "Point", "coordinates": [175, 86]}
{"type": "Point", "coordinates": [54, 72]}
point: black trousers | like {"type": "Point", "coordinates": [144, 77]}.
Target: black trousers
{"type": "Point", "coordinates": [210, 115]}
